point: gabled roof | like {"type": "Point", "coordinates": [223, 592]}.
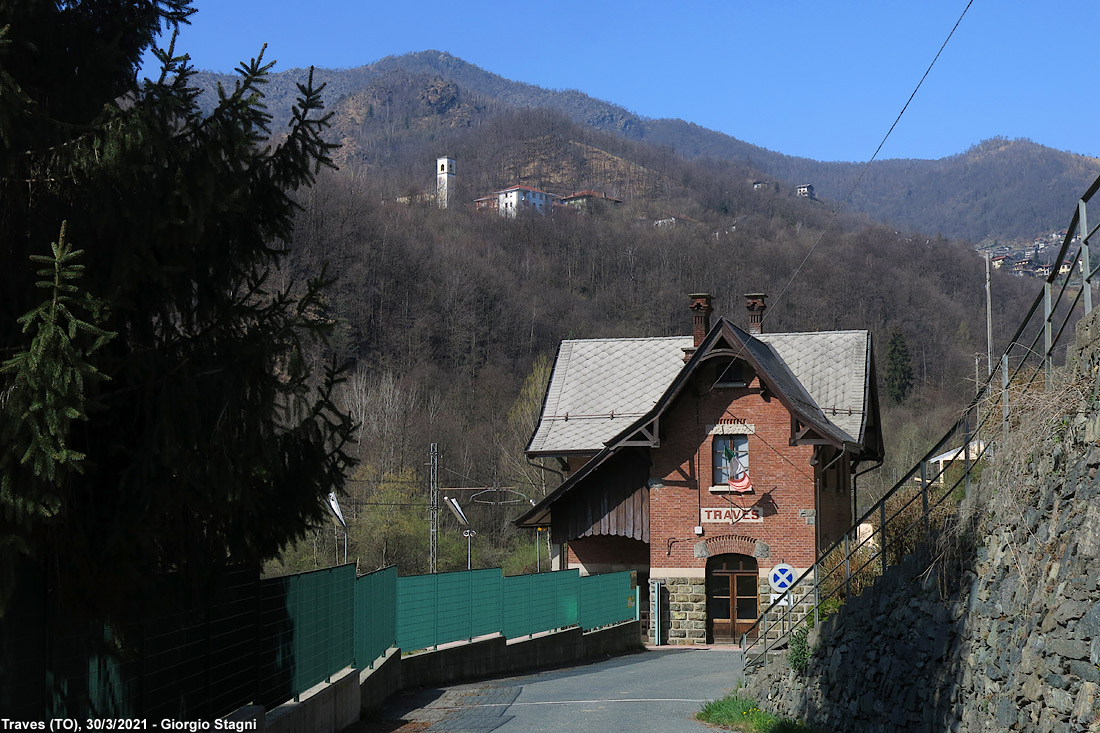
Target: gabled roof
{"type": "Point", "coordinates": [598, 382]}
{"type": "Point", "coordinates": [599, 386]}
{"type": "Point", "coordinates": [837, 363]}
{"type": "Point", "coordinates": [727, 339]}
{"type": "Point", "coordinates": [526, 188]}
{"type": "Point", "coordinates": [589, 193]}
{"type": "Point", "coordinates": [833, 366]}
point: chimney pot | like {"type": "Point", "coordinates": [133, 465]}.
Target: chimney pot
{"type": "Point", "coordinates": [700, 320]}
{"type": "Point", "coordinates": [754, 302]}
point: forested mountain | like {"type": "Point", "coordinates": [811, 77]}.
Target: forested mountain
{"type": "Point", "coordinates": [999, 189]}
{"type": "Point", "coordinates": [450, 316]}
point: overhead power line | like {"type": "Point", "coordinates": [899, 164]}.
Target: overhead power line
{"type": "Point", "coordinates": [867, 165]}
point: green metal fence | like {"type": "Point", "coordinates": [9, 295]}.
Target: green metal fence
{"type": "Point", "coordinates": [605, 599]}
{"type": "Point", "coordinates": [197, 660]}
{"type": "Point", "coordinates": [200, 659]}
{"type": "Point", "coordinates": [446, 607]}
{"type": "Point", "coordinates": [306, 630]}
{"type": "Point", "coordinates": [268, 641]}
{"type": "Point", "coordinates": [375, 615]}
{"type": "Point", "coordinates": [535, 603]}
{"type": "Point", "coordinates": [95, 683]}
{"type": "Point", "coordinates": [440, 608]}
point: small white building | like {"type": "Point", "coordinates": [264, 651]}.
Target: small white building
{"type": "Point", "coordinates": [510, 202]}
{"type": "Point", "coordinates": [972, 451]}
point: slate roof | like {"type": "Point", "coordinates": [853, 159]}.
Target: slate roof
{"type": "Point", "coordinates": [833, 367]}
{"type": "Point", "coordinates": [600, 386]}
{"type": "Point", "coordinates": [837, 364]}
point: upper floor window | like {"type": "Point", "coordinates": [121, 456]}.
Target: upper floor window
{"type": "Point", "coordinates": [733, 374]}
{"type": "Point", "coordinates": [731, 458]}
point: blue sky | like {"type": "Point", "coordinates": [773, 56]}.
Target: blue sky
{"type": "Point", "coordinates": [821, 80]}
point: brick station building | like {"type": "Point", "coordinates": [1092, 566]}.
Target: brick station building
{"type": "Point", "coordinates": [703, 461]}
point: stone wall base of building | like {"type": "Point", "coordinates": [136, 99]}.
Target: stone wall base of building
{"type": "Point", "coordinates": [683, 612]}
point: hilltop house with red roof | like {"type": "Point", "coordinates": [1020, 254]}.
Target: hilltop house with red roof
{"type": "Point", "coordinates": [702, 461]}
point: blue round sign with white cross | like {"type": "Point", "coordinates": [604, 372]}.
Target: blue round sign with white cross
{"type": "Point", "coordinates": [781, 577]}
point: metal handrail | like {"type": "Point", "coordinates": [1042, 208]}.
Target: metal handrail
{"type": "Point", "coordinates": [808, 586]}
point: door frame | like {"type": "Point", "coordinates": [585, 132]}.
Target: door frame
{"type": "Point", "coordinates": [731, 567]}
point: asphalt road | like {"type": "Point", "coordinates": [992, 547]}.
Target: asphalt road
{"type": "Point", "coordinates": [656, 690]}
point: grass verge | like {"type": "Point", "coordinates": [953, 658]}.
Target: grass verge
{"type": "Point", "coordinates": [737, 712]}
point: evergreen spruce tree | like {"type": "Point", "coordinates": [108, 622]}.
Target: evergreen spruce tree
{"type": "Point", "coordinates": [899, 369]}
{"type": "Point", "coordinates": [157, 411]}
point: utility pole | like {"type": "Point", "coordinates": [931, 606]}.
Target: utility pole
{"type": "Point", "coordinates": [988, 317]}
{"type": "Point", "coordinates": [433, 507]}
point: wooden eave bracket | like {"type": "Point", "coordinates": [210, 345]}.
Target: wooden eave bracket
{"type": "Point", "coordinates": [648, 435]}
{"type": "Point", "coordinates": [805, 435]}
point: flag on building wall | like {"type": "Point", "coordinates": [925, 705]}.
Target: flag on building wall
{"type": "Point", "coordinates": [739, 478]}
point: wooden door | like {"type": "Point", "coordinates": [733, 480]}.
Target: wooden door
{"type": "Point", "coordinates": [732, 604]}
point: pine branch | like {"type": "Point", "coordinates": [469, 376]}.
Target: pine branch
{"type": "Point", "coordinates": [48, 381]}
{"type": "Point", "coordinates": [297, 160]}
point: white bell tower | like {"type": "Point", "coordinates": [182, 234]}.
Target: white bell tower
{"type": "Point", "coordinates": [444, 181]}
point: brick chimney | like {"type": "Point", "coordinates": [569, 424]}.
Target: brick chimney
{"type": "Point", "coordinates": [700, 316]}
{"type": "Point", "coordinates": [754, 302]}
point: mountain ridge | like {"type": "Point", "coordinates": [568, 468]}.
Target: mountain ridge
{"type": "Point", "coordinates": [996, 190]}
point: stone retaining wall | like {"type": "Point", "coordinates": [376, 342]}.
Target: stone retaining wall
{"type": "Point", "coordinates": [1006, 637]}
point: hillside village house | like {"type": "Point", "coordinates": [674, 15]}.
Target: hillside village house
{"type": "Point", "coordinates": [589, 200]}
{"type": "Point", "coordinates": [508, 202]}
{"type": "Point", "coordinates": [703, 461]}
{"type": "Point", "coordinates": [511, 202]}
